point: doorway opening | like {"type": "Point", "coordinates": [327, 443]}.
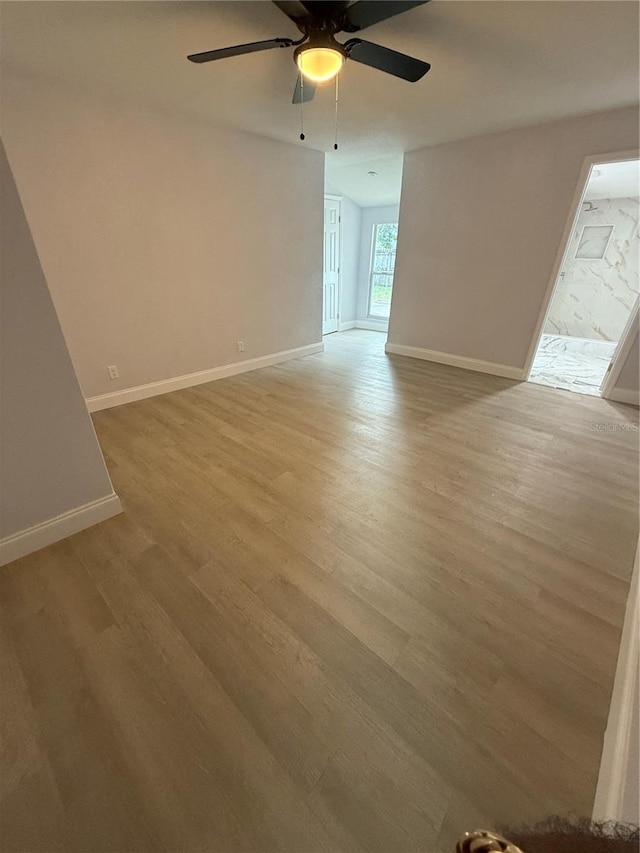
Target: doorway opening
{"type": "Point", "coordinates": [361, 214]}
{"type": "Point", "coordinates": [595, 299]}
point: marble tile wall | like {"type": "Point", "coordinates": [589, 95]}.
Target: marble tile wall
{"type": "Point", "coordinates": [595, 295]}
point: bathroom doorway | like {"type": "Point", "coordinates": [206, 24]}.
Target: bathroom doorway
{"type": "Point", "coordinates": [596, 290]}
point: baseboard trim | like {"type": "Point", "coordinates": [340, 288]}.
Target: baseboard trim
{"type": "Point", "coordinates": [624, 395]}
{"type": "Point", "coordinates": [495, 369]}
{"type": "Point", "coordinates": [616, 758]}
{"type": "Point", "coordinates": [372, 326]}
{"type": "Point", "coordinates": [188, 380]}
{"type": "Point", "coordinates": [47, 532]}
{"type": "Point", "coordinates": [344, 327]}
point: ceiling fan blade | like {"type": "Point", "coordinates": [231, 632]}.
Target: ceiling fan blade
{"type": "Point", "coordinates": [303, 94]}
{"type": "Point", "coordinates": [384, 59]}
{"type": "Point", "coordinates": [239, 49]}
{"type": "Point", "coordinates": [368, 12]}
{"type": "Point", "coordinates": [293, 9]}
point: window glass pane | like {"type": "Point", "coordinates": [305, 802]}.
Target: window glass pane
{"type": "Point", "coordinates": [383, 263]}
{"type": "Point", "coordinates": [384, 256]}
{"type": "Point", "coordinates": [380, 301]}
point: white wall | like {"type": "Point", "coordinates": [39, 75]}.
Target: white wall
{"type": "Point", "coordinates": [50, 461]}
{"type": "Point", "coordinates": [594, 297]}
{"type": "Point", "coordinates": [630, 811]}
{"type": "Point", "coordinates": [371, 216]}
{"type": "Point", "coordinates": [618, 790]}
{"type": "Point", "coordinates": [164, 240]}
{"type": "Point", "coordinates": [480, 225]}
{"type": "Point", "coordinates": [350, 269]}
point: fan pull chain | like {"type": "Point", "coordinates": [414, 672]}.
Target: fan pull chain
{"type": "Point", "coordinates": [301, 106]}
{"type": "Point", "coordinates": [335, 142]}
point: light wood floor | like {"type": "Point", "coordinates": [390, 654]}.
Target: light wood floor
{"type": "Point", "coordinates": [355, 603]}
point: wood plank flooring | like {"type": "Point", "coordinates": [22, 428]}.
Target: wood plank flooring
{"type": "Point", "coordinates": [355, 603]}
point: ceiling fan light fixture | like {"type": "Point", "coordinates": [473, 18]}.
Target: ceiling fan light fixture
{"type": "Point", "coordinates": [319, 64]}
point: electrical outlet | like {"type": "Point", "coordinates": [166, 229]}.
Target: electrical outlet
{"type": "Point", "coordinates": [114, 373]}
{"type": "Point", "coordinates": [240, 345]}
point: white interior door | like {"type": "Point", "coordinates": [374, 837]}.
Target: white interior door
{"type": "Point", "coordinates": [331, 269]}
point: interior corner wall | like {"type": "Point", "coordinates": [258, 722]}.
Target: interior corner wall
{"type": "Point", "coordinates": [481, 222]}
{"type": "Point", "coordinates": [371, 216]}
{"type": "Point", "coordinates": [50, 461]}
{"type": "Point", "coordinates": [164, 240]}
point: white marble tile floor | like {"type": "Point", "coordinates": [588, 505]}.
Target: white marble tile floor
{"type": "Point", "coordinates": [574, 364]}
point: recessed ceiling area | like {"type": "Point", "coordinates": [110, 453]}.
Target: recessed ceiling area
{"type": "Point", "coordinates": [495, 65]}
{"type": "Point", "coordinates": [614, 180]}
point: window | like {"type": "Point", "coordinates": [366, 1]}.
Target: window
{"type": "Point", "coordinates": [383, 262]}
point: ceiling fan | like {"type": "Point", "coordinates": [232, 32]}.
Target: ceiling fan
{"type": "Point", "coordinates": [318, 55]}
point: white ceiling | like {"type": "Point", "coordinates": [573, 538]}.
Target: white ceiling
{"type": "Point", "coordinates": [354, 180]}
{"type": "Point", "coordinates": [614, 180]}
{"type": "Point", "coordinates": [495, 65]}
